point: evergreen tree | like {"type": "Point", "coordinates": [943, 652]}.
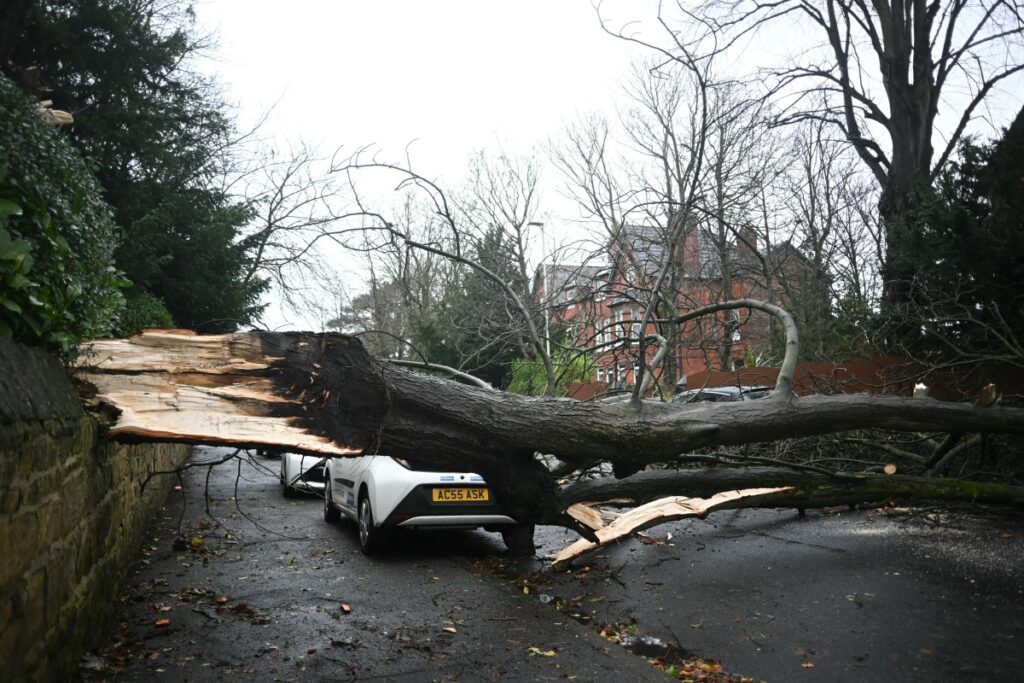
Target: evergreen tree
{"type": "Point", "coordinates": [488, 331]}
{"type": "Point", "coordinates": [159, 134]}
{"type": "Point", "coordinates": [58, 282]}
{"type": "Point", "coordinates": [967, 255]}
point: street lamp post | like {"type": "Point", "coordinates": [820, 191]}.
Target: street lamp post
{"type": "Point", "coordinates": [547, 293]}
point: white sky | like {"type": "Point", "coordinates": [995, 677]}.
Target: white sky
{"type": "Point", "coordinates": [449, 76]}
{"type": "Point", "coordinates": [454, 75]}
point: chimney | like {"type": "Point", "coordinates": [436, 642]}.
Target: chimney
{"type": "Point", "coordinates": [746, 241]}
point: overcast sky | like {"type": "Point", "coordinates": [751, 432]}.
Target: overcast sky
{"type": "Point", "coordinates": [447, 76]}
{"type": "Point", "coordinates": [454, 75]}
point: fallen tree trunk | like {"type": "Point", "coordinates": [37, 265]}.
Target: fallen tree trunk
{"type": "Point", "coordinates": [322, 393]}
{"type": "Point", "coordinates": [804, 489]}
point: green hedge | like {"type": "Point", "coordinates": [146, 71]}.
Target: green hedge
{"type": "Point", "coordinates": [58, 282]}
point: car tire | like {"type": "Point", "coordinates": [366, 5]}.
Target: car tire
{"type": "Point", "coordinates": [518, 539]}
{"type": "Point", "coordinates": [331, 514]}
{"type": "Point", "coordinates": [286, 490]}
{"type": "Point", "coordinates": [371, 538]}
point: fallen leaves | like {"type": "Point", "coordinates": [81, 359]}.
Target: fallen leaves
{"type": "Point", "coordinates": [699, 670]}
{"type": "Point", "coordinates": [162, 623]}
{"type": "Point", "coordinates": [346, 608]}
{"type": "Point", "coordinates": [449, 629]}
{"type": "Point", "coordinates": [537, 652]}
{"type": "Point", "coordinates": [242, 608]}
{"type": "Point", "coordinates": [616, 633]}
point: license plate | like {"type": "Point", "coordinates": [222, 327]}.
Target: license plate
{"type": "Point", "coordinates": [457, 495]}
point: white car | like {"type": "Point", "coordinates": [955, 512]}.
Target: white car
{"type": "Point", "coordinates": [382, 493]}
{"type": "Point", "coordinates": [302, 473]}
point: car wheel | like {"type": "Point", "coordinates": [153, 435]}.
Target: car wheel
{"type": "Point", "coordinates": [331, 513]}
{"type": "Point", "coordinates": [519, 539]}
{"type": "Point", "coordinates": [286, 490]}
{"type": "Point", "coordinates": [371, 538]}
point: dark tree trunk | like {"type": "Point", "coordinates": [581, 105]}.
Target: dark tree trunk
{"type": "Point", "coordinates": [811, 489]}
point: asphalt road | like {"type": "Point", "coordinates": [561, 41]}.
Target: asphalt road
{"type": "Point", "coordinates": [257, 593]}
{"type": "Point", "coordinates": [872, 595]}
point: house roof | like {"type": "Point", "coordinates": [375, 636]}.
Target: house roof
{"type": "Point", "coordinates": [562, 281]}
{"type": "Point", "coordinates": [647, 244]}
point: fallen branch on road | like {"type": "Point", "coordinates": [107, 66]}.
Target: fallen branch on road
{"type": "Point", "coordinates": [667, 510]}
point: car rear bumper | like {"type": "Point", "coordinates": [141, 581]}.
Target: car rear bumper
{"type": "Point", "coordinates": [418, 509]}
{"type": "Point", "coordinates": [468, 521]}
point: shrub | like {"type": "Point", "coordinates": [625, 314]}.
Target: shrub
{"type": "Point", "coordinates": [142, 310]}
{"type": "Point", "coordinates": [58, 283]}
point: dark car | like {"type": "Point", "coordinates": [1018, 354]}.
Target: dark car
{"type": "Point", "coordinates": [730, 394]}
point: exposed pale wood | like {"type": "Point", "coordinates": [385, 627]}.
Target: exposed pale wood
{"type": "Point", "coordinates": [55, 117]}
{"type": "Point", "coordinates": [666, 510]}
{"type": "Point", "coordinates": [175, 385]}
{"type": "Point", "coordinates": [175, 351]}
{"type": "Point", "coordinates": [586, 515]}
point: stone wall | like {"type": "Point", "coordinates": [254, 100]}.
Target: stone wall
{"type": "Point", "coordinates": [72, 515]}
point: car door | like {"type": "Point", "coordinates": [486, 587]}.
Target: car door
{"type": "Point", "coordinates": [346, 474]}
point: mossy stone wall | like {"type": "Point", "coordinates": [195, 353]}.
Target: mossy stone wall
{"type": "Point", "coordinates": [72, 515]}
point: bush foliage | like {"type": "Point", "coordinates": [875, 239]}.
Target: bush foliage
{"type": "Point", "coordinates": [58, 282]}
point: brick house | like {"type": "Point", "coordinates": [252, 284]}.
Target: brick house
{"type": "Point", "coordinates": [603, 306]}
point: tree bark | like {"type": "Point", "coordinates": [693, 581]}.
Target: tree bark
{"type": "Point", "coordinates": [322, 393]}
{"type": "Point", "coordinates": [807, 489]}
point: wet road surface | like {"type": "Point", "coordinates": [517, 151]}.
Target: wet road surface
{"type": "Point", "coordinates": [266, 590]}
{"type": "Point", "coordinates": [259, 595]}
{"type": "Point", "coordinates": [866, 595]}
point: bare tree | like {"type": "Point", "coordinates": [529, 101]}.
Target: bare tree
{"type": "Point", "coordinates": [295, 223]}
{"type": "Point", "coordinates": [827, 203]}
{"type": "Point", "coordinates": [701, 148]}
{"type": "Point", "coordinates": [644, 204]}
{"type": "Point", "coordinates": [461, 223]}
{"type": "Point", "coordinates": [879, 73]}
{"type": "Point", "coordinates": [498, 210]}
{"type": "Point", "coordinates": [404, 288]}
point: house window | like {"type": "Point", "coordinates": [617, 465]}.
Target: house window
{"type": "Point", "coordinates": [734, 322]}
{"type": "Point", "coordinates": [620, 325]}
{"type": "Point", "coordinates": [636, 372]}
{"type": "Point", "coordinates": [634, 332]}
{"type": "Point", "coordinates": [600, 374]}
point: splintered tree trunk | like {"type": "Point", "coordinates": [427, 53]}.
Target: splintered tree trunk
{"type": "Point", "coordinates": [322, 393]}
